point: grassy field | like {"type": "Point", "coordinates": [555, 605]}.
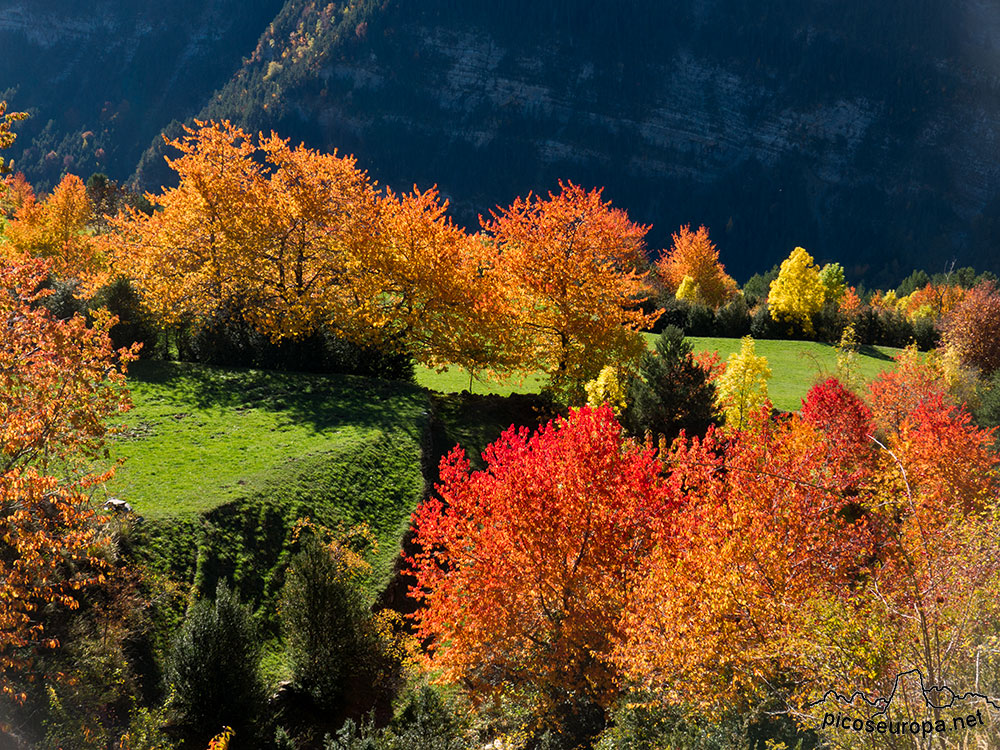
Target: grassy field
{"type": "Point", "coordinates": [795, 366]}
{"type": "Point", "coordinates": [222, 463]}
{"type": "Point", "coordinates": [201, 436]}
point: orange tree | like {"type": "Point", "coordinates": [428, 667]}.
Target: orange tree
{"type": "Point", "coordinates": [296, 239]}
{"type": "Point", "coordinates": [523, 568]}
{"type": "Point", "coordinates": [574, 262]}
{"type": "Point", "coordinates": [694, 255]}
{"type": "Point", "coordinates": [59, 382]}
{"type": "Point", "coordinates": [56, 228]}
{"type": "Point", "coordinates": [834, 549]}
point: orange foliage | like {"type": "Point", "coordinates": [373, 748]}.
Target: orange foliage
{"type": "Point", "coordinates": [823, 551]}
{"type": "Point", "coordinates": [296, 239]}
{"type": "Point", "coordinates": [524, 567]}
{"type": "Point", "coordinates": [936, 299]}
{"type": "Point", "coordinates": [693, 254]}
{"type": "Point", "coordinates": [56, 229]}
{"type": "Point", "coordinates": [59, 382]}
{"type": "Point", "coordinates": [15, 191]}
{"type": "Point", "coordinates": [850, 304]}
{"type": "Point", "coordinates": [573, 263]}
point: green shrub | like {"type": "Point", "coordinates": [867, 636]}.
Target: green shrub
{"type": "Point", "coordinates": [733, 320]}
{"type": "Point", "coordinates": [229, 340]}
{"type": "Point", "coordinates": [339, 652]}
{"type": "Point", "coordinates": [670, 392]}
{"type": "Point", "coordinates": [214, 671]}
{"type": "Point", "coordinates": [425, 722]}
{"type": "Point", "coordinates": [135, 323]}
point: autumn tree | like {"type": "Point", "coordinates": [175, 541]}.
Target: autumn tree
{"type": "Point", "coordinates": [607, 388]}
{"type": "Point", "coordinates": [523, 568]}
{"type": "Point", "coordinates": [741, 390]}
{"type": "Point", "coordinates": [56, 229]}
{"type": "Point", "coordinates": [821, 551]}
{"type": "Point", "coordinates": [294, 239]}
{"type": "Point", "coordinates": [797, 294]}
{"type": "Point", "coordinates": [59, 383]}
{"type": "Point", "coordinates": [7, 136]}
{"type": "Point", "coordinates": [972, 328]}
{"type": "Point", "coordinates": [760, 533]}
{"type": "Point", "coordinates": [694, 256]}
{"type": "Point", "coordinates": [574, 262]}
{"type": "Point", "coordinates": [831, 276]}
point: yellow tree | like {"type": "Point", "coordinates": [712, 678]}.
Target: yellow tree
{"type": "Point", "coordinates": [741, 390]}
{"type": "Point", "coordinates": [575, 261]}
{"type": "Point", "coordinates": [798, 293]}
{"type": "Point", "coordinates": [693, 255]}
{"type": "Point", "coordinates": [191, 255]}
{"type": "Point", "coordinates": [439, 290]}
{"type": "Point", "coordinates": [293, 239]}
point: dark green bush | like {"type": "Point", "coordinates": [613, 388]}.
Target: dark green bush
{"type": "Point", "coordinates": [763, 326]}
{"type": "Point", "coordinates": [700, 321]}
{"type": "Point", "coordinates": [229, 340]}
{"type": "Point", "coordinates": [425, 722]}
{"type": "Point", "coordinates": [671, 392]}
{"type": "Point", "coordinates": [338, 653]}
{"type": "Point", "coordinates": [926, 334]}
{"type": "Point", "coordinates": [135, 323]}
{"type": "Point", "coordinates": [733, 320]}
{"type": "Point", "coordinates": [829, 323]}
{"type": "Point", "coordinates": [214, 672]}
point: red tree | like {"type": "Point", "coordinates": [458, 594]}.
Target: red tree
{"type": "Point", "coordinates": [525, 567]}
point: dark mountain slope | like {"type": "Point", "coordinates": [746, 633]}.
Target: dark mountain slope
{"type": "Point", "coordinates": [863, 131]}
{"type": "Point", "coordinates": [866, 132]}
{"type": "Point", "coordinates": [101, 79]}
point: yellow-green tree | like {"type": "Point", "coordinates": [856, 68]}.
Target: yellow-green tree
{"type": "Point", "coordinates": [832, 278]}
{"type": "Point", "coordinates": [742, 389]}
{"type": "Point", "coordinates": [798, 293]}
{"type": "Point", "coordinates": [606, 388]}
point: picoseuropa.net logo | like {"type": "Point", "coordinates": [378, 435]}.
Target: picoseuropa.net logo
{"type": "Point", "coordinates": [911, 710]}
{"type": "Point", "coordinates": [923, 728]}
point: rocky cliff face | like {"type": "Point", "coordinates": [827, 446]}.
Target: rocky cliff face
{"type": "Point", "coordinates": [101, 79]}
{"type": "Point", "coordinates": [866, 132]}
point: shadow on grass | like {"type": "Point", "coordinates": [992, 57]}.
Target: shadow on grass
{"type": "Point", "coordinates": [322, 401]}
{"type": "Point", "coordinates": [870, 351]}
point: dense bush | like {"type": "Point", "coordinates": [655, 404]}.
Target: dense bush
{"type": "Point", "coordinates": [135, 324]}
{"type": "Point", "coordinates": [213, 671]}
{"type": "Point", "coordinates": [763, 326]}
{"type": "Point", "coordinates": [343, 656]}
{"type": "Point", "coordinates": [733, 320]}
{"type": "Point", "coordinates": [426, 721]}
{"type": "Point", "coordinates": [229, 340]}
{"type": "Point", "coordinates": [671, 392]}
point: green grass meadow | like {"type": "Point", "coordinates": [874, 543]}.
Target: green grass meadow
{"type": "Point", "coordinates": [795, 367]}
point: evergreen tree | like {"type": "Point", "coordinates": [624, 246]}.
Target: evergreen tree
{"type": "Point", "coordinates": [671, 392]}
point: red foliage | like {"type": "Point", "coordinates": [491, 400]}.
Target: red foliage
{"type": "Point", "coordinates": [840, 414]}
{"type": "Point", "coordinates": [972, 328]}
{"type": "Point", "coordinates": [524, 567]}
